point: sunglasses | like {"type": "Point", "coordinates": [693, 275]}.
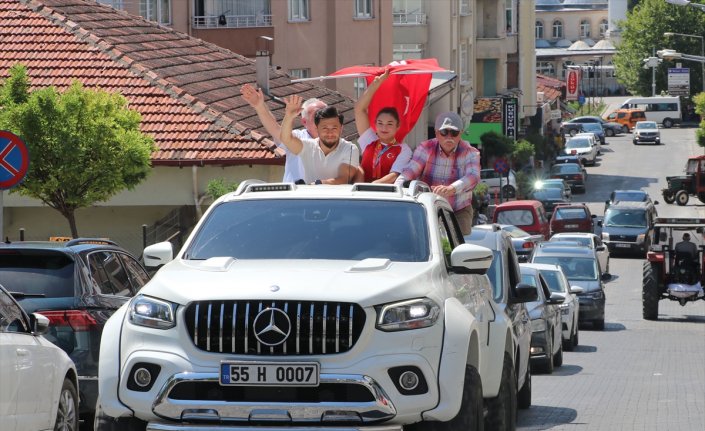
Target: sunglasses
{"type": "Point", "coordinates": [446, 132]}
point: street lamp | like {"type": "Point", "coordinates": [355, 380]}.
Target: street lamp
{"type": "Point", "coordinates": [687, 3]}
{"type": "Point", "coordinates": [702, 45]}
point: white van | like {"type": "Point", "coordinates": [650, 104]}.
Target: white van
{"type": "Point", "coordinates": [661, 109]}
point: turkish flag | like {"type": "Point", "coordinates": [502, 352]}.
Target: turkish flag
{"type": "Point", "coordinates": [406, 89]}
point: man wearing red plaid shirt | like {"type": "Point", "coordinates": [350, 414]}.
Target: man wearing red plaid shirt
{"type": "Point", "coordinates": [449, 165]}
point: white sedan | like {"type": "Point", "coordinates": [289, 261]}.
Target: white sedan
{"type": "Point", "coordinates": [558, 283]}
{"type": "Point", "coordinates": [589, 240]}
{"type": "Point", "coordinates": [583, 147]}
{"type": "Point", "coordinates": [39, 389]}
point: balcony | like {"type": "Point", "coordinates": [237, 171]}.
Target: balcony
{"type": "Point", "coordinates": [231, 21]}
{"type": "Point", "coordinates": [404, 18]}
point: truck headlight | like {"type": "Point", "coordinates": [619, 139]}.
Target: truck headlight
{"type": "Point", "coordinates": [538, 325]}
{"type": "Point", "coordinates": [640, 238]}
{"type": "Point", "coordinates": [596, 295]}
{"type": "Point", "coordinates": [412, 314]}
{"type": "Point", "coordinates": [605, 236]}
{"type": "Point", "coordinates": [151, 312]}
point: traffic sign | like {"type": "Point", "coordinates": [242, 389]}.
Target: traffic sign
{"type": "Point", "coordinates": [581, 100]}
{"type": "Point", "coordinates": [501, 166]}
{"type": "Point", "coordinates": [14, 160]}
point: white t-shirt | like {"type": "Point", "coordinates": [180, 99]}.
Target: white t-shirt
{"type": "Point", "coordinates": [369, 136]}
{"type": "Point", "coordinates": [293, 169]}
{"type": "Point", "coordinates": [318, 166]}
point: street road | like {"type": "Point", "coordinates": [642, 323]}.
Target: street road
{"type": "Point", "coordinates": [637, 374]}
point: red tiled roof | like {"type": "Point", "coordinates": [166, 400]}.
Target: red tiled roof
{"type": "Point", "coordinates": [186, 90]}
{"type": "Point", "coordinates": [550, 87]}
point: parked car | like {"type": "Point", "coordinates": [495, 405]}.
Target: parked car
{"type": "Point", "coordinates": [594, 140]}
{"type": "Point", "coordinates": [628, 227]}
{"type": "Point", "coordinates": [528, 215]}
{"type": "Point", "coordinates": [298, 306]}
{"type": "Point", "coordinates": [589, 240]}
{"type": "Point", "coordinates": [555, 183]}
{"type": "Point", "coordinates": [572, 173]}
{"type": "Point", "coordinates": [570, 308]}
{"type": "Point", "coordinates": [546, 332]}
{"type": "Point", "coordinates": [597, 130]}
{"type": "Point", "coordinates": [574, 217]}
{"type": "Point", "coordinates": [505, 277]}
{"type": "Point", "coordinates": [492, 179]}
{"type": "Point", "coordinates": [77, 285]}
{"type": "Point", "coordinates": [583, 147]}
{"type": "Point", "coordinates": [550, 198]}
{"type": "Point", "coordinates": [646, 131]}
{"type": "Point", "coordinates": [627, 117]}
{"type": "Point", "coordinates": [522, 241]}
{"type": "Point", "coordinates": [38, 384]}
{"type": "Point", "coordinates": [580, 266]}
{"type": "Point", "coordinates": [611, 128]}
{"type": "Point", "coordinates": [628, 196]}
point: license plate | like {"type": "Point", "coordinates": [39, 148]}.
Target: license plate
{"type": "Point", "coordinates": [269, 373]}
{"type": "Point", "coordinates": [571, 226]}
{"type": "Point", "coordinates": [623, 245]}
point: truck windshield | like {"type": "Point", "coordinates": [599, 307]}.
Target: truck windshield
{"type": "Point", "coordinates": [625, 218]}
{"type": "Point", "coordinates": [333, 229]}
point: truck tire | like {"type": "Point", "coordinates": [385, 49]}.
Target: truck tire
{"type": "Point", "coordinates": [599, 324]}
{"type": "Point", "coordinates": [102, 422]}
{"type": "Point", "coordinates": [558, 357]}
{"type": "Point", "coordinates": [682, 197]}
{"type": "Point", "coordinates": [701, 197]}
{"type": "Point", "coordinates": [609, 132]}
{"type": "Point", "coordinates": [667, 123]}
{"type": "Point", "coordinates": [470, 416]}
{"type": "Point", "coordinates": [509, 191]}
{"type": "Point", "coordinates": [524, 395]}
{"type": "Point", "coordinates": [625, 128]}
{"type": "Point", "coordinates": [547, 365]}
{"type": "Point", "coordinates": [649, 293]}
{"type": "Point", "coordinates": [669, 196]}
{"type": "Point", "coordinates": [573, 132]}
{"type": "Point", "coordinates": [67, 412]}
{"type": "Point", "coordinates": [502, 410]}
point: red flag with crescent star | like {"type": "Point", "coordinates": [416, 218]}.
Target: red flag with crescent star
{"type": "Point", "coordinates": [406, 89]}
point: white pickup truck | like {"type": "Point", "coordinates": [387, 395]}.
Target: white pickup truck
{"type": "Point", "coordinates": [353, 307]}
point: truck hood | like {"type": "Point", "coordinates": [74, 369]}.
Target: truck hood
{"type": "Point", "coordinates": [367, 282]}
{"type": "Point", "coordinates": [618, 231]}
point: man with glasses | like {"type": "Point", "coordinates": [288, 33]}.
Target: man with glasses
{"type": "Point", "coordinates": [449, 165]}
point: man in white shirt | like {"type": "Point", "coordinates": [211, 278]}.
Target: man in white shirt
{"type": "Point", "coordinates": [293, 168]}
{"type": "Point", "coordinates": [328, 159]}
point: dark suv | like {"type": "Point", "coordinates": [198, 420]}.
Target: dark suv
{"type": "Point", "coordinates": [77, 285]}
{"type": "Point", "coordinates": [627, 227]}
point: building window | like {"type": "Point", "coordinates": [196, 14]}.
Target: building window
{"type": "Point", "coordinates": [510, 6]}
{"type": "Point", "coordinates": [156, 10]}
{"type": "Point", "coordinates": [299, 73]}
{"type": "Point", "coordinates": [463, 63]}
{"type": "Point", "coordinates": [584, 28]}
{"type": "Point", "coordinates": [232, 13]}
{"type": "Point", "coordinates": [545, 68]}
{"type": "Point", "coordinates": [408, 12]}
{"type": "Point", "coordinates": [363, 9]}
{"type": "Point", "coordinates": [539, 30]}
{"type": "Point", "coordinates": [604, 25]}
{"type": "Point", "coordinates": [557, 29]}
{"type": "Point", "coordinates": [360, 85]}
{"type": "Point", "coordinates": [298, 10]}
{"type": "Point", "coordinates": [406, 51]}
{"type": "Point", "coordinates": [464, 7]}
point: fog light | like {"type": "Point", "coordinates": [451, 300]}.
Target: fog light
{"type": "Point", "coordinates": [142, 377]}
{"type": "Point", "coordinates": [536, 350]}
{"type": "Point", "coordinates": [409, 380]}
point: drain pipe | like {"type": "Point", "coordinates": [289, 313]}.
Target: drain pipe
{"type": "Point", "coordinates": [194, 183]}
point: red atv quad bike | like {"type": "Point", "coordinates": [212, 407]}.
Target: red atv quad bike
{"type": "Point", "coordinates": [676, 276]}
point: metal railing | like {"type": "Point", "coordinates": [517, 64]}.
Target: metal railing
{"type": "Point", "coordinates": [403, 18]}
{"type": "Point", "coordinates": [231, 21]}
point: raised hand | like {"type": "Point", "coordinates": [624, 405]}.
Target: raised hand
{"type": "Point", "coordinates": [251, 95]}
{"type": "Point", "coordinates": [293, 105]}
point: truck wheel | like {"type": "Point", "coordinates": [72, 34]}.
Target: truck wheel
{"type": "Point", "coordinates": [547, 366]}
{"type": "Point", "coordinates": [669, 196]}
{"type": "Point", "coordinates": [649, 293]}
{"type": "Point", "coordinates": [509, 191]}
{"type": "Point", "coordinates": [574, 338]}
{"type": "Point", "coordinates": [701, 197]}
{"type": "Point", "coordinates": [573, 132]}
{"type": "Point", "coordinates": [609, 132]}
{"type": "Point", "coordinates": [667, 123]}
{"type": "Point", "coordinates": [524, 395]}
{"type": "Point", "coordinates": [470, 416]}
{"type": "Point", "coordinates": [67, 411]}
{"type": "Point", "coordinates": [558, 357]}
{"type": "Point", "coordinates": [625, 128]}
{"type": "Point", "coordinates": [682, 197]}
{"type": "Point", "coordinates": [599, 324]}
{"type": "Point", "coordinates": [102, 422]}
{"type": "Point", "coordinates": [502, 410]}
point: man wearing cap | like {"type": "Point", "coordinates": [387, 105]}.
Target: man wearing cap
{"type": "Point", "coordinates": [449, 165]}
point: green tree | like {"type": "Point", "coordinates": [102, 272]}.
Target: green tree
{"type": "Point", "coordinates": [218, 187]}
{"type": "Point", "coordinates": [84, 145]}
{"type": "Point", "coordinates": [523, 150]}
{"type": "Point", "coordinates": [496, 145]}
{"type": "Point", "coordinates": [700, 110]}
{"type": "Point", "coordinates": [642, 33]}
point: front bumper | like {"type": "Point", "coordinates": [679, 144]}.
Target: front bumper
{"type": "Point", "coordinates": [539, 346]}
{"type": "Point", "coordinates": [591, 309]}
{"type": "Point", "coordinates": [626, 247]}
{"type": "Point", "coordinates": [161, 426]}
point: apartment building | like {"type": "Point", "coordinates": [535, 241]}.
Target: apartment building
{"type": "Point", "coordinates": [306, 38]}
